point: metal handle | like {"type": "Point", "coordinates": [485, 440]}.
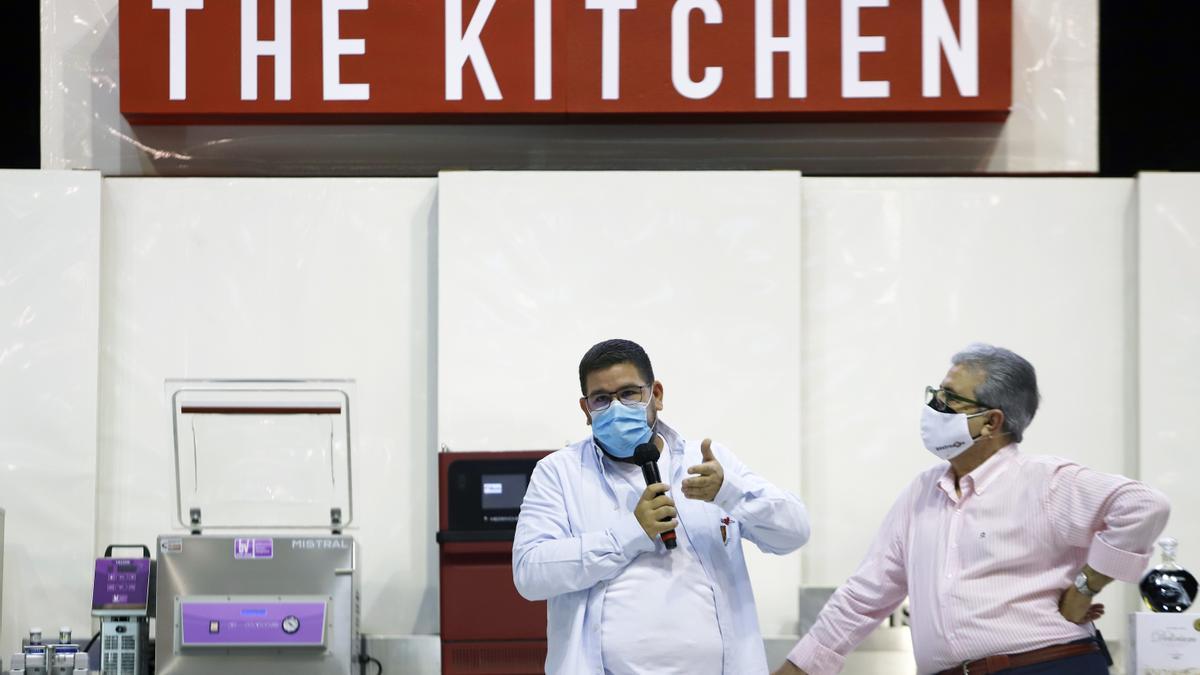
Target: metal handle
{"type": "Point", "coordinates": [145, 549]}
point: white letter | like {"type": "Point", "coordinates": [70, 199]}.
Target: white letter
{"type": "Point", "coordinates": [962, 55]}
{"type": "Point", "coordinates": [462, 46]}
{"type": "Point", "coordinates": [854, 45]}
{"type": "Point", "coordinates": [333, 47]}
{"type": "Point", "coordinates": [681, 74]}
{"type": "Point", "coordinates": [610, 40]}
{"type": "Point", "coordinates": [766, 45]}
{"type": "Point", "coordinates": [280, 48]}
{"type": "Point", "coordinates": [178, 42]}
{"type": "Point", "coordinates": [541, 51]}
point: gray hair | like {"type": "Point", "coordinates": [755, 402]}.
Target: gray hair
{"type": "Point", "coordinates": [1009, 384]}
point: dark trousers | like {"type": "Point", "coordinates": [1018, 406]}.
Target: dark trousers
{"type": "Point", "coordinates": [1086, 664]}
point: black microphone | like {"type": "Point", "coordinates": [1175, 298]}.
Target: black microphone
{"type": "Point", "coordinates": [646, 456]}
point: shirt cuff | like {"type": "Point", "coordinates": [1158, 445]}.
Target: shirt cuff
{"type": "Point", "coordinates": [631, 537]}
{"type": "Point", "coordinates": [1115, 563]}
{"type": "Point", "coordinates": [731, 493]}
{"type": "Point", "coordinates": [816, 659]}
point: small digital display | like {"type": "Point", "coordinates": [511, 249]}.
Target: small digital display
{"type": "Point", "coordinates": [503, 491]}
{"type": "Point", "coordinates": [122, 585]}
{"type": "Point", "coordinates": [254, 612]}
{"type": "Point", "coordinates": [485, 491]}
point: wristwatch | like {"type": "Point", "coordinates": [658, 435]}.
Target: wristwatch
{"type": "Point", "coordinates": [1081, 585]}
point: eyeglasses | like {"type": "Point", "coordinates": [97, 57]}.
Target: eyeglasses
{"type": "Point", "coordinates": [939, 399]}
{"type": "Point", "coordinates": [632, 395]}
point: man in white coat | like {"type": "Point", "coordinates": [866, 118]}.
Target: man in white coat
{"type": "Point", "coordinates": [589, 537]}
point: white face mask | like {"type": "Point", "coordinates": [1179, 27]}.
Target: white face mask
{"type": "Point", "coordinates": [946, 434]}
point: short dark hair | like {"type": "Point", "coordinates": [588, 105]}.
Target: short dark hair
{"type": "Point", "coordinates": [610, 353]}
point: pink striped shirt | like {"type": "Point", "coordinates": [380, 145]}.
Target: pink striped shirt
{"type": "Point", "coordinates": [984, 572]}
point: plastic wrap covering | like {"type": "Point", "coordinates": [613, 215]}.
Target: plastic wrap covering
{"type": "Point", "coordinates": [269, 454]}
{"type": "Point", "coordinates": [899, 274]}
{"type": "Point", "coordinates": [49, 313]}
{"type": "Point", "coordinates": [276, 279]}
{"type": "Point", "coordinates": [702, 269]}
{"type": "Point", "coordinates": [1169, 306]}
{"type": "Point", "coordinates": [1052, 128]}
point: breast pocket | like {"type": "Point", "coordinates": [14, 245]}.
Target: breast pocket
{"type": "Point", "coordinates": [725, 530]}
{"type": "Point", "coordinates": [731, 531]}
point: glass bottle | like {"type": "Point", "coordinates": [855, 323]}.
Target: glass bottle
{"type": "Point", "coordinates": [1168, 587]}
{"type": "Point", "coordinates": [34, 645]}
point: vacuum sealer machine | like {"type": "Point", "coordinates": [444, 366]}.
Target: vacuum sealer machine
{"type": "Point", "coordinates": [261, 579]}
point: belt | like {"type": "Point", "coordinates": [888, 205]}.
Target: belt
{"type": "Point", "coordinates": [996, 664]}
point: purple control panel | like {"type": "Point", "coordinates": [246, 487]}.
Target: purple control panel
{"type": "Point", "coordinates": [252, 624]}
{"type": "Point", "coordinates": [121, 584]}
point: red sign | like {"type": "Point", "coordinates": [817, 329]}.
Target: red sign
{"type": "Point", "coordinates": [399, 60]}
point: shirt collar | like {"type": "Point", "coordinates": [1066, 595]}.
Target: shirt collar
{"type": "Point", "coordinates": [670, 437]}
{"type": "Point", "coordinates": [671, 441]}
{"type": "Point", "coordinates": [985, 474]}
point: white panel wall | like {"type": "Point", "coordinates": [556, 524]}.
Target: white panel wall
{"type": "Point", "coordinates": [278, 278]}
{"type": "Point", "coordinates": [901, 273]}
{"type": "Point", "coordinates": [1169, 303]}
{"type": "Point", "coordinates": [701, 269]}
{"type": "Point", "coordinates": [1052, 127]}
{"type": "Point", "coordinates": [49, 317]}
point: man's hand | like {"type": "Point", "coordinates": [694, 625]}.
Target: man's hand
{"type": "Point", "coordinates": [652, 508]}
{"type": "Point", "coordinates": [789, 668]}
{"type": "Point", "coordinates": [1077, 607]}
{"type": "Point", "coordinates": [707, 477]}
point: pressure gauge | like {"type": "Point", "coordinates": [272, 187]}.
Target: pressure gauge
{"type": "Point", "coordinates": [290, 625]}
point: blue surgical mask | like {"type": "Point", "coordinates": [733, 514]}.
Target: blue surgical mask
{"type": "Point", "coordinates": [621, 428]}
